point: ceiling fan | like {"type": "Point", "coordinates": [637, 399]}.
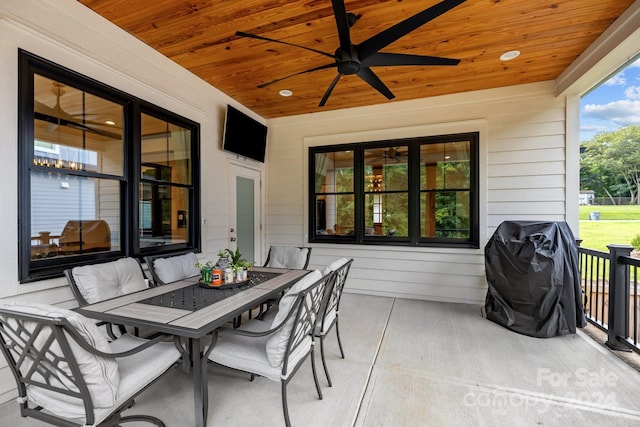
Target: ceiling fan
{"type": "Point", "coordinates": [387, 156]}
{"type": "Point", "coordinates": [357, 59]}
{"type": "Point", "coordinates": [57, 116]}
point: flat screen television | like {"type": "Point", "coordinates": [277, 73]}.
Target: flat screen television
{"type": "Point", "coordinates": [243, 135]}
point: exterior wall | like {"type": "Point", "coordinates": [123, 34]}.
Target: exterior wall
{"type": "Point", "coordinates": [522, 177]}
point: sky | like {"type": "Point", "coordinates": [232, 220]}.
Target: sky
{"type": "Point", "coordinates": [613, 104]}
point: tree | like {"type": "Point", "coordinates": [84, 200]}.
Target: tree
{"type": "Point", "coordinates": [610, 164]}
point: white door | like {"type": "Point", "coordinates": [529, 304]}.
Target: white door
{"type": "Point", "coordinates": [245, 212]}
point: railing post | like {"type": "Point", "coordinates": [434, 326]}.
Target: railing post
{"type": "Point", "coordinates": [618, 298]}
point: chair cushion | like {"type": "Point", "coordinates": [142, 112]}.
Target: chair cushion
{"type": "Point", "coordinates": [172, 269]}
{"type": "Point", "coordinates": [334, 265]}
{"type": "Point", "coordinates": [287, 257]}
{"type": "Point", "coordinates": [322, 327]}
{"type": "Point", "coordinates": [103, 281]}
{"type": "Point", "coordinates": [101, 374]}
{"type": "Point", "coordinates": [277, 343]}
{"type": "Point", "coordinates": [249, 353]}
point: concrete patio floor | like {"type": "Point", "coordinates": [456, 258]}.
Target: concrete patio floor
{"type": "Point", "coordinates": [417, 363]}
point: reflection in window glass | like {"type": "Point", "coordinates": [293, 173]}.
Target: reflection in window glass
{"type": "Point", "coordinates": [165, 171]}
{"type": "Point", "coordinates": [72, 215]}
{"type": "Point", "coordinates": [75, 130]}
{"type": "Point", "coordinates": [416, 191]}
{"type": "Point", "coordinates": [334, 200]}
{"type": "Point", "coordinates": [387, 214]}
{"type": "Point", "coordinates": [445, 197]}
{"type": "Point", "coordinates": [169, 146]}
{"type": "Point", "coordinates": [386, 181]}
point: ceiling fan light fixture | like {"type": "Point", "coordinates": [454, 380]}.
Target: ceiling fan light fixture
{"type": "Point", "coordinates": [508, 56]}
{"type": "Point", "coordinates": [285, 92]}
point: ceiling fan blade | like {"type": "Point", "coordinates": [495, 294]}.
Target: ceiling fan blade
{"type": "Point", "coordinates": [329, 90]}
{"type": "Point", "coordinates": [321, 67]}
{"type": "Point", "coordinates": [382, 59]}
{"type": "Point", "coordinates": [370, 77]}
{"type": "Point", "coordinates": [253, 36]}
{"type": "Point", "coordinates": [340, 13]}
{"type": "Point", "coordinates": [393, 33]}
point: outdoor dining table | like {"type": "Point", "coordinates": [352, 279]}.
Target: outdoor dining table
{"type": "Point", "coordinates": [187, 310]}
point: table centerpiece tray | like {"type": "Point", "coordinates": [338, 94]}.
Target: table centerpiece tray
{"type": "Point", "coordinates": [224, 285]}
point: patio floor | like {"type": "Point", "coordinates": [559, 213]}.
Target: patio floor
{"type": "Point", "coordinates": [417, 363]}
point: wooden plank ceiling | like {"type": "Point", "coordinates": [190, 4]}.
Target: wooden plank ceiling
{"type": "Point", "coordinates": [200, 36]}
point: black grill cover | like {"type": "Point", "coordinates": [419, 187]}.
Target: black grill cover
{"type": "Point", "coordinates": [533, 278]}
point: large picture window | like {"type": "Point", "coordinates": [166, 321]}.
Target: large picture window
{"type": "Point", "coordinates": [419, 191]}
{"type": "Point", "coordinates": [102, 173]}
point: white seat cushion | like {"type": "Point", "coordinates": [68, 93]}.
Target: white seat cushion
{"type": "Point", "coordinates": [287, 257]}
{"type": "Point", "coordinates": [277, 343]}
{"type": "Point", "coordinates": [249, 353]}
{"type": "Point", "coordinates": [136, 371]}
{"type": "Point", "coordinates": [103, 281]}
{"type": "Point", "coordinates": [172, 269]}
{"type": "Point", "coordinates": [101, 374]}
{"type": "Point", "coordinates": [337, 263]}
{"type": "Point", "coordinates": [111, 381]}
{"type": "Point", "coordinates": [323, 327]}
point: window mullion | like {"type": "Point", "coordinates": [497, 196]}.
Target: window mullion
{"type": "Point", "coordinates": [359, 195]}
{"type": "Point", "coordinates": [414, 193]}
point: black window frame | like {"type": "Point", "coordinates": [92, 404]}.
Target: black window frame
{"type": "Point", "coordinates": [32, 270]}
{"type": "Point", "coordinates": [414, 237]}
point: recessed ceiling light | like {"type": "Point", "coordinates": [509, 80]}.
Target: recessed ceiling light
{"type": "Point", "coordinates": [110, 122]}
{"type": "Point", "coordinates": [285, 92]}
{"type": "Point", "coordinates": [508, 56]}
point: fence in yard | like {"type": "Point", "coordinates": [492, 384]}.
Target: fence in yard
{"type": "Point", "coordinates": [610, 290]}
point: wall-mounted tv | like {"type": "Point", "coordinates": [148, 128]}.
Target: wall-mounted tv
{"type": "Point", "coordinates": [244, 135]}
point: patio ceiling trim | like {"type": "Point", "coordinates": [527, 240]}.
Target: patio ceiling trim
{"type": "Point", "coordinates": [616, 46]}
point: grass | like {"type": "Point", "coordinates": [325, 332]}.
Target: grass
{"type": "Point", "coordinates": [617, 225]}
{"type": "Point", "coordinates": [611, 213]}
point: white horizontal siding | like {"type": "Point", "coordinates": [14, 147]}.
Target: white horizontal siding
{"type": "Point", "coordinates": [522, 182]}
{"type": "Point", "coordinates": [523, 155]}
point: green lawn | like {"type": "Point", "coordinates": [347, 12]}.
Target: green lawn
{"type": "Point", "coordinates": [617, 225]}
{"type": "Point", "coordinates": [625, 212]}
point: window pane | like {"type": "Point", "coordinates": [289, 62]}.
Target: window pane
{"type": "Point", "coordinates": [73, 215]}
{"type": "Point", "coordinates": [386, 169]}
{"type": "Point", "coordinates": [169, 146]}
{"type": "Point", "coordinates": [387, 214]}
{"type": "Point", "coordinates": [335, 214]}
{"type": "Point", "coordinates": [445, 214]}
{"type": "Point", "coordinates": [445, 166]}
{"type": "Point", "coordinates": [71, 129]}
{"type": "Point", "coordinates": [163, 214]}
{"type": "Point", "coordinates": [334, 172]}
